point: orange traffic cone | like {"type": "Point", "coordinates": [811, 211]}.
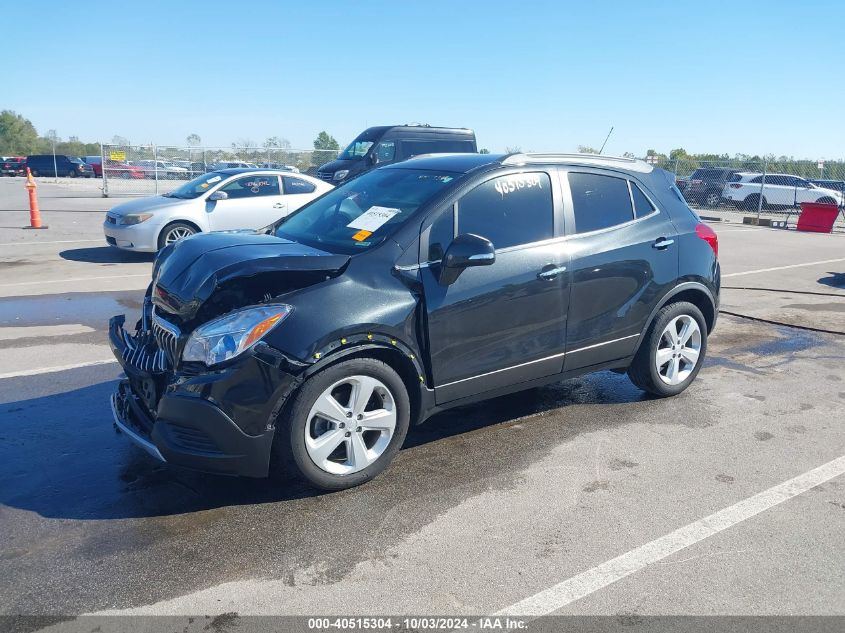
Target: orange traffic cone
{"type": "Point", "coordinates": [34, 211]}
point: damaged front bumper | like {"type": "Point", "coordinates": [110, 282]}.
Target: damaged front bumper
{"type": "Point", "coordinates": [219, 421]}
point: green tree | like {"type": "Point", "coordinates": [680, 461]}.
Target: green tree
{"type": "Point", "coordinates": [119, 140]}
{"type": "Point", "coordinates": [277, 142]}
{"type": "Point", "coordinates": [516, 149]}
{"type": "Point", "coordinates": [18, 135]}
{"type": "Point", "coordinates": [586, 149]}
{"type": "Point", "coordinates": [325, 141]}
{"type": "Point", "coordinates": [193, 139]}
{"type": "Point", "coordinates": [484, 150]}
{"type": "Point", "coordinates": [325, 149]}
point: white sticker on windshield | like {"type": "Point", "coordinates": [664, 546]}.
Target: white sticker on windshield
{"type": "Point", "coordinates": [211, 181]}
{"type": "Point", "coordinates": [373, 219]}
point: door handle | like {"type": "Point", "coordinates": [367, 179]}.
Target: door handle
{"type": "Point", "coordinates": [661, 243]}
{"type": "Point", "coordinates": [548, 274]}
{"type": "Point", "coordinates": [279, 205]}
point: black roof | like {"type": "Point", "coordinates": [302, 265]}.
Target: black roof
{"type": "Point", "coordinates": [459, 163]}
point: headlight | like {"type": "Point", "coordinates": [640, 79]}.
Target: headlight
{"type": "Point", "coordinates": [340, 175]}
{"type": "Point", "coordinates": [228, 336]}
{"type": "Point", "coordinates": [135, 218]}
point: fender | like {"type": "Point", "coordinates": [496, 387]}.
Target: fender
{"type": "Point", "coordinates": [687, 285]}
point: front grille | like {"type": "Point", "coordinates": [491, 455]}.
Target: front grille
{"type": "Point", "coordinates": [167, 337]}
{"type": "Point", "coordinates": [325, 175]}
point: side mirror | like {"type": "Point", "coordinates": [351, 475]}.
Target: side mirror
{"type": "Point", "coordinates": [218, 195]}
{"type": "Point", "coordinates": [465, 251]}
{"type": "Point", "coordinates": [374, 158]}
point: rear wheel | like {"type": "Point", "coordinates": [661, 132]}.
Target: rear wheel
{"type": "Point", "coordinates": [345, 424]}
{"type": "Point", "coordinates": [125, 175]}
{"type": "Point", "coordinates": [71, 173]}
{"type": "Point", "coordinates": [752, 203]}
{"type": "Point", "coordinates": [175, 232]}
{"type": "Point", "coordinates": [672, 352]}
{"type": "Point", "coordinates": [826, 200]}
{"type": "Point", "coordinates": [713, 199]}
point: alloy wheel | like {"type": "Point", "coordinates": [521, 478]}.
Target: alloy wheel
{"type": "Point", "coordinates": [350, 425]}
{"type": "Point", "coordinates": [678, 350]}
{"type": "Point", "coordinates": [177, 233]}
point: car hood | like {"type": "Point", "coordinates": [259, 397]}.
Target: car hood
{"type": "Point", "coordinates": [187, 273]}
{"type": "Point", "coordinates": [337, 165]}
{"type": "Point", "coordinates": [149, 204]}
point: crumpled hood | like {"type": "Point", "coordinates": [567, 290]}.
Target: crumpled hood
{"type": "Point", "coordinates": [188, 272]}
{"type": "Point", "coordinates": [147, 205]}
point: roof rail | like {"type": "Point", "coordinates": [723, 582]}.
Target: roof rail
{"type": "Point", "coordinates": [578, 159]}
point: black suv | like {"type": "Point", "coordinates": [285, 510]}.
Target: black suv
{"type": "Point", "coordinates": [439, 281]}
{"type": "Point", "coordinates": [705, 185]}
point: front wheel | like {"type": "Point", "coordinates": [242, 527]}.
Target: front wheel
{"type": "Point", "coordinates": [713, 199]}
{"type": "Point", "coordinates": [345, 425]}
{"type": "Point", "coordinates": [672, 351]}
{"type": "Point", "coordinates": [174, 232]}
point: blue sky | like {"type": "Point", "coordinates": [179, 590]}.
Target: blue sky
{"type": "Point", "coordinates": [755, 77]}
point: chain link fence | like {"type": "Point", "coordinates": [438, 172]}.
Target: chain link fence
{"type": "Point", "coordinates": [769, 187]}
{"type": "Point", "coordinates": [148, 170]}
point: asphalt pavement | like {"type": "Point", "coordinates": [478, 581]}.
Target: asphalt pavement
{"type": "Point", "coordinates": [585, 497]}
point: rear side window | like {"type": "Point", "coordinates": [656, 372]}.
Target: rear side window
{"type": "Point", "coordinates": [297, 185]}
{"type": "Point", "coordinates": [642, 205]}
{"type": "Point", "coordinates": [599, 202]}
{"type": "Point", "coordinates": [509, 210]}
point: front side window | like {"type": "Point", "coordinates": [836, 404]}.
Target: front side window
{"type": "Point", "coordinates": [357, 149]}
{"type": "Point", "coordinates": [386, 151]}
{"type": "Point", "coordinates": [297, 185]}
{"type": "Point", "coordinates": [509, 210]}
{"type": "Point", "coordinates": [252, 187]}
{"type": "Point", "coordinates": [365, 211]}
{"type": "Point", "coordinates": [599, 202]}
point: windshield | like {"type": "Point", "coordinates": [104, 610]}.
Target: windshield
{"type": "Point", "coordinates": [356, 150]}
{"type": "Point", "coordinates": [196, 187]}
{"type": "Point", "coordinates": [363, 212]}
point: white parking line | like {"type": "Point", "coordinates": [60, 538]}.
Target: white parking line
{"type": "Point", "coordinates": [590, 581]}
{"type": "Point", "coordinates": [767, 270]}
{"type": "Point", "coordinates": [40, 331]}
{"type": "Point", "coordinates": [50, 370]}
{"type": "Point", "coordinates": [64, 281]}
{"type": "Point", "coordinates": [56, 242]}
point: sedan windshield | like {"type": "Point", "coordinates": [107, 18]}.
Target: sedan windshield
{"type": "Point", "coordinates": [196, 187]}
{"type": "Point", "coordinates": [364, 212]}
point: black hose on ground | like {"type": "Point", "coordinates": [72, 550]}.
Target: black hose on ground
{"type": "Point", "coordinates": [780, 323]}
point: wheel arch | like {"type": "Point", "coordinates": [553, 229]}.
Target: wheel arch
{"type": "Point", "coordinates": [695, 293]}
{"type": "Point", "coordinates": [172, 221]}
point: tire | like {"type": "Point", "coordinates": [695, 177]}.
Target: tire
{"type": "Point", "coordinates": [713, 199]}
{"type": "Point", "coordinates": [71, 174]}
{"type": "Point", "coordinates": [296, 448]}
{"type": "Point", "coordinates": [659, 380]}
{"type": "Point", "coordinates": [35, 173]}
{"type": "Point", "coordinates": [174, 232]}
{"type": "Point", "coordinates": [125, 175]}
{"type": "Point", "coordinates": [752, 201]}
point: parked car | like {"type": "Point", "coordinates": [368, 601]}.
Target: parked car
{"type": "Point", "coordinates": [778, 190]}
{"type": "Point", "coordinates": [432, 283]}
{"type": "Point", "coordinates": [388, 144]}
{"type": "Point", "coordinates": [281, 166]}
{"type": "Point", "coordinates": [705, 185]}
{"type": "Point", "coordinates": [58, 165]}
{"type": "Point", "coordinates": [96, 163]}
{"type": "Point", "coordinates": [230, 199]}
{"type": "Point", "coordinates": [13, 166]}
{"type": "Point", "coordinates": [123, 169]}
{"type": "Point", "coordinates": [234, 164]}
{"type": "Point", "coordinates": [161, 169]}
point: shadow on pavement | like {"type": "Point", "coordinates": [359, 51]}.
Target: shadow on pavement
{"type": "Point", "coordinates": [61, 457]}
{"type": "Point", "coordinates": [104, 255]}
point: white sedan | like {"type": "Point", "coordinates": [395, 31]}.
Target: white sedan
{"type": "Point", "coordinates": [223, 200]}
